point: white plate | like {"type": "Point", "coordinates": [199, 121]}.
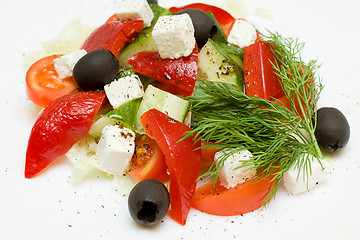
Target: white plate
{"type": "Point", "coordinates": [49, 206]}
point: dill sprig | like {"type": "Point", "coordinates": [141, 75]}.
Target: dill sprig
{"type": "Point", "coordinates": [276, 136]}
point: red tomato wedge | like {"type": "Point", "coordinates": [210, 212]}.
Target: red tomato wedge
{"type": "Point", "coordinates": [241, 199]}
{"type": "Point", "coordinates": [43, 85]}
{"type": "Point", "coordinates": [59, 126]}
{"type": "Point", "coordinates": [224, 18]}
{"type": "Point", "coordinates": [182, 160]}
{"type": "Point", "coordinates": [113, 35]}
{"type": "Point", "coordinates": [260, 77]}
{"type": "Point", "coordinates": [148, 161]}
{"type": "Point", "coordinates": [179, 74]}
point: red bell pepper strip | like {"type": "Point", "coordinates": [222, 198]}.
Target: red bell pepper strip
{"type": "Point", "coordinates": [113, 35]}
{"type": "Point", "coordinates": [224, 18]}
{"type": "Point", "coordinates": [259, 74]}
{"type": "Point", "coordinates": [181, 158]}
{"type": "Point", "coordinates": [179, 74]}
{"type": "Point", "coordinates": [240, 199]}
{"type": "Point", "coordinates": [64, 122]}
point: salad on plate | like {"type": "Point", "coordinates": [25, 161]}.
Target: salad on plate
{"type": "Point", "coordinates": [200, 108]}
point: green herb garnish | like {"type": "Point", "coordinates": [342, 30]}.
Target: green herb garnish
{"type": "Point", "coordinates": [276, 136]}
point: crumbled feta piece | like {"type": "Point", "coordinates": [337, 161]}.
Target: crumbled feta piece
{"type": "Point", "coordinates": [242, 33]}
{"type": "Point", "coordinates": [115, 149]}
{"type": "Point", "coordinates": [136, 9]}
{"type": "Point", "coordinates": [174, 36]}
{"type": "Point", "coordinates": [123, 90]}
{"type": "Point", "coordinates": [296, 182]}
{"type": "Point", "coordinates": [230, 176]}
{"type": "Point", "coordinates": [64, 65]}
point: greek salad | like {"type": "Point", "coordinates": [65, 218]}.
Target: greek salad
{"type": "Point", "coordinates": [174, 97]}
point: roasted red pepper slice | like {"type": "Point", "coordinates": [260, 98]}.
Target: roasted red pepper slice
{"type": "Point", "coordinates": [64, 122]}
{"type": "Point", "coordinates": [182, 160]}
{"type": "Point", "coordinates": [113, 35]}
{"type": "Point", "coordinates": [179, 74]}
{"type": "Point", "coordinates": [260, 77]}
{"type": "Point", "coordinates": [224, 18]}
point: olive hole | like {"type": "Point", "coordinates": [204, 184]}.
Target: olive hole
{"type": "Point", "coordinates": [148, 211]}
{"type": "Point", "coordinates": [213, 32]}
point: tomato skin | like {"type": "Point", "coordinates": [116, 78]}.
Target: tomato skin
{"type": "Point", "coordinates": [43, 85]}
{"type": "Point", "coordinates": [113, 35]}
{"type": "Point", "coordinates": [178, 74]}
{"type": "Point", "coordinates": [148, 161]}
{"type": "Point", "coordinates": [240, 199]}
{"type": "Point", "coordinates": [182, 160]}
{"type": "Point", "coordinates": [59, 126]}
{"type": "Point", "coordinates": [260, 77]}
{"type": "Point", "coordinates": [224, 18]}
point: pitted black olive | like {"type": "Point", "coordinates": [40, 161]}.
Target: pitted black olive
{"type": "Point", "coordinates": [149, 202]}
{"type": "Point", "coordinates": [332, 130]}
{"type": "Point", "coordinates": [96, 69]}
{"type": "Point", "coordinates": [204, 25]}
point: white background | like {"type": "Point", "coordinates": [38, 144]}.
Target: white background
{"type": "Point", "coordinates": [51, 207]}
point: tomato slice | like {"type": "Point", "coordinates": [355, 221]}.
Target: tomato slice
{"type": "Point", "coordinates": [43, 85]}
{"type": "Point", "coordinates": [59, 126]}
{"type": "Point", "coordinates": [224, 18]}
{"type": "Point", "coordinates": [178, 74]}
{"type": "Point", "coordinates": [240, 199]}
{"type": "Point", "coordinates": [113, 35]}
{"type": "Point", "coordinates": [148, 161]}
{"type": "Point", "coordinates": [260, 77]}
{"type": "Point", "coordinates": [182, 160]}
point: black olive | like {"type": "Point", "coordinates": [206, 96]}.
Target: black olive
{"type": "Point", "coordinates": [204, 25]}
{"type": "Point", "coordinates": [96, 69]}
{"type": "Point", "coordinates": [152, 1]}
{"type": "Point", "coordinates": [332, 129]}
{"type": "Point", "coordinates": [149, 202]}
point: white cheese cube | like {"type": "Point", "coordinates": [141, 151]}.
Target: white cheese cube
{"type": "Point", "coordinates": [136, 9]}
{"type": "Point", "coordinates": [115, 149]}
{"type": "Point", "coordinates": [230, 176]}
{"type": "Point", "coordinates": [64, 65]}
{"type": "Point", "coordinates": [296, 182]}
{"type": "Point", "coordinates": [174, 36]}
{"type": "Point", "coordinates": [242, 33]}
{"type": "Point", "coordinates": [123, 90]}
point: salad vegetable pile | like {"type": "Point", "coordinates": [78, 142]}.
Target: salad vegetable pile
{"type": "Point", "coordinates": [173, 97]}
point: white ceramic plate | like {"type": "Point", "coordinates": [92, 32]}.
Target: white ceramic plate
{"type": "Point", "coordinates": [49, 206]}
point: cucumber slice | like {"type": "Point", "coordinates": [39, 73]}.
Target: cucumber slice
{"type": "Point", "coordinates": [215, 65]}
{"type": "Point", "coordinates": [172, 105]}
{"type": "Point", "coordinates": [144, 42]}
{"type": "Point", "coordinates": [236, 53]}
{"type": "Point", "coordinates": [97, 127]}
{"type": "Point", "coordinates": [126, 113]}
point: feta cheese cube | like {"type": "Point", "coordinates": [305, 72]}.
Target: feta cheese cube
{"type": "Point", "coordinates": [296, 182]}
{"type": "Point", "coordinates": [136, 9]}
{"type": "Point", "coordinates": [64, 65]}
{"type": "Point", "coordinates": [174, 36]}
{"type": "Point", "coordinates": [242, 33]}
{"type": "Point", "coordinates": [123, 90]}
{"type": "Point", "coordinates": [230, 176]}
{"type": "Point", "coordinates": [115, 149]}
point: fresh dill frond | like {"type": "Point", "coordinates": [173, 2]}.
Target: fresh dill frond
{"type": "Point", "coordinates": [276, 136]}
